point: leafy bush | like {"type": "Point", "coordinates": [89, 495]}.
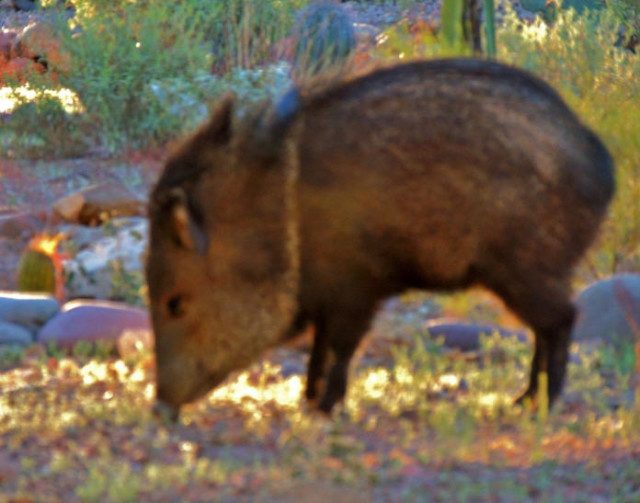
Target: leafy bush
{"type": "Point", "coordinates": [628, 13]}
{"type": "Point", "coordinates": [142, 70]}
{"type": "Point", "coordinates": [118, 50]}
{"type": "Point", "coordinates": [243, 31]}
{"type": "Point", "coordinates": [576, 56]}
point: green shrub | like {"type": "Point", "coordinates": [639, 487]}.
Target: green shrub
{"type": "Point", "coordinates": [142, 70]}
{"type": "Point", "coordinates": [576, 56]}
{"type": "Point", "coordinates": [244, 30]}
{"type": "Point", "coordinates": [628, 13]}
{"type": "Point", "coordinates": [40, 126]}
{"type": "Point", "coordinates": [118, 50]}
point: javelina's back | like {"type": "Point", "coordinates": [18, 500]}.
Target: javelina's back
{"type": "Point", "coordinates": [444, 163]}
{"type": "Point", "coordinates": [442, 175]}
{"type": "Point", "coordinates": [437, 174]}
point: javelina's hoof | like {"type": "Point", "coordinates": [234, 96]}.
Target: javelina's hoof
{"type": "Point", "coordinates": [165, 412]}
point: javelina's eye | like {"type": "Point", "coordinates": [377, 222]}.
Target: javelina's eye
{"type": "Point", "coordinates": [175, 306]}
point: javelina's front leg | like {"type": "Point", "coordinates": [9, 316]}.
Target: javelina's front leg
{"type": "Point", "coordinates": [317, 366]}
{"type": "Point", "coordinates": [341, 334]}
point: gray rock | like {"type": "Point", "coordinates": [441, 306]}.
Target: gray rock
{"type": "Point", "coordinates": [12, 334]}
{"type": "Point", "coordinates": [24, 5]}
{"type": "Point", "coordinates": [609, 310]}
{"type": "Point", "coordinates": [467, 336]}
{"type": "Point", "coordinates": [81, 237]}
{"type": "Point", "coordinates": [31, 311]}
{"type": "Point", "coordinates": [91, 272]}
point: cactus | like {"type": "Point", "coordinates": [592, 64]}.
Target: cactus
{"type": "Point", "coordinates": [36, 272]}
{"type": "Point", "coordinates": [40, 267]}
{"type": "Point", "coordinates": [325, 39]}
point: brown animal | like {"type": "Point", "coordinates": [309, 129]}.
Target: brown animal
{"type": "Point", "coordinates": [432, 175]}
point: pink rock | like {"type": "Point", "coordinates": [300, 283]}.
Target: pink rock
{"type": "Point", "coordinates": [19, 69]}
{"type": "Point", "coordinates": [6, 40]}
{"type": "Point", "coordinates": [93, 321]}
{"type": "Point", "coordinates": [40, 41]}
{"type": "Point", "coordinates": [98, 203]}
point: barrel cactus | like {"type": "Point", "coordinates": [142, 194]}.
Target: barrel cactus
{"type": "Point", "coordinates": [324, 39]}
{"type": "Point", "coordinates": [40, 269]}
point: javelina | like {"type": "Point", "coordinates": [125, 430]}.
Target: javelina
{"type": "Point", "coordinates": [432, 175]}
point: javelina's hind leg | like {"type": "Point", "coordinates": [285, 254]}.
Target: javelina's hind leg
{"type": "Point", "coordinates": [344, 331]}
{"type": "Point", "coordinates": [317, 366]}
{"type": "Point", "coordinates": [545, 305]}
{"type": "Point", "coordinates": [550, 354]}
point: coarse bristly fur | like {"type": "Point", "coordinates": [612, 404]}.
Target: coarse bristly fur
{"type": "Point", "coordinates": [432, 175]}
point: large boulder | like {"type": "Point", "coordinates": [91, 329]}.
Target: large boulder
{"type": "Point", "coordinates": [98, 204]}
{"type": "Point", "coordinates": [7, 38]}
{"type": "Point", "coordinates": [97, 321]}
{"type": "Point", "coordinates": [609, 311]}
{"type": "Point", "coordinates": [39, 41]}
{"type": "Point", "coordinates": [14, 335]}
{"type": "Point", "coordinates": [30, 311]}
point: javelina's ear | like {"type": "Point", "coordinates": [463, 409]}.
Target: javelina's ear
{"type": "Point", "coordinates": [219, 127]}
{"type": "Point", "coordinates": [187, 231]}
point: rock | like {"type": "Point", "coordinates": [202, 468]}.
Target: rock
{"type": "Point", "coordinates": [81, 237]}
{"type": "Point", "coordinates": [12, 334]}
{"type": "Point", "coordinates": [19, 69]}
{"type": "Point", "coordinates": [466, 336]}
{"type": "Point", "coordinates": [69, 207]}
{"type": "Point", "coordinates": [91, 272]}
{"type": "Point", "coordinates": [609, 310]}
{"type": "Point", "coordinates": [21, 225]}
{"type": "Point", "coordinates": [99, 203]}
{"type": "Point", "coordinates": [27, 310]}
{"type": "Point", "coordinates": [25, 5]}
{"type": "Point", "coordinates": [93, 321]}
{"type": "Point", "coordinates": [316, 492]}
{"type": "Point", "coordinates": [39, 41]}
{"type": "Point", "coordinates": [7, 38]}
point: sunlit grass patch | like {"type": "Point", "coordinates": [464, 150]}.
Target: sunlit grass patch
{"type": "Point", "coordinates": [11, 97]}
